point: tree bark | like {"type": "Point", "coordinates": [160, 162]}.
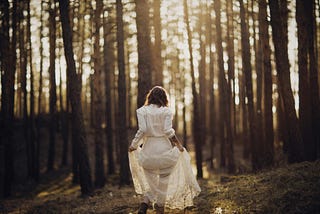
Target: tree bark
{"type": "Point", "coordinates": [158, 72]}
{"type": "Point", "coordinates": [196, 115]}
{"type": "Point", "coordinates": [267, 80]}
{"type": "Point", "coordinates": [144, 50]}
{"type": "Point", "coordinates": [230, 101]}
{"type": "Point", "coordinates": [52, 90]}
{"type": "Point", "coordinates": [64, 121]}
{"type": "Point", "coordinates": [280, 40]}
{"type": "Point", "coordinates": [38, 122]}
{"type": "Point", "coordinates": [247, 71]}
{"type": "Point", "coordinates": [108, 65]}
{"type": "Point", "coordinates": [313, 147]}
{"type": "Point", "coordinates": [122, 118]}
{"type": "Point", "coordinates": [7, 99]}
{"type": "Point", "coordinates": [97, 98]}
{"type": "Point", "coordinates": [202, 77]}
{"type": "Point", "coordinates": [32, 105]}
{"type": "Point", "coordinates": [231, 64]}
{"type": "Point", "coordinates": [225, 113]}
{"type": "Point", "coordinates": [305, 117]}
{"type": "Point", "coordinates": [23, 60]}
{"type": "Point", "coordinates": [211, 91]}
{"type": "Point", "coordinates": [75, 98]}
{"type": "Point", "coordinates": [258, 110]}
{"type": "Point", "coordinates": [222, 139]}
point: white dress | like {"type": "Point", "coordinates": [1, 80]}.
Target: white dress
{"type": "Point", "coordinates": [160, 171]}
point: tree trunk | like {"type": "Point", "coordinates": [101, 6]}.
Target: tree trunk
{"type": "Point", "coordinates": [245, 131]}
{"type": "Point", "coordinates": [211, 91]}
{"type": "Point", "coordinates": [231, 64]}
{"type": "Point", "coordinates": [144, 50]}
{"type": "Point", "coordinates": [158, 72]}
{"type": "Point", "coordinates": [82, 35]}
{"type": "Point", "coordinates": [38, 122]}
{"type": "Point", "coordinates": [314, 144]}
{"type": "Point", "coordinates": [63, 120]}
{"type": "Point", "coordinates": [23, 60]}
{"type": "Point", "coordinates": [304, 84]}
{"type": "Point", "coordinates": [7, 99]}
{"type": "Point", "coordinates": [230, 101]}
{"type": "Point", "coordinates": [280, 39]}
{"type": "Point", "coordinates": [122, 118]}
{"type": "Point", "coordinates": [52, 90]}
{"type": "Point", "coordinates": [108, 65]}
{"type": "Point", "coordinates": [217, 8]}
{"type": "Point", "coordinates": [75, 98]}
{"type": "Point", "coordinates": [196, 114]}
{"type": "Point", "coordinates": [225, 113]}
{"type": "Point", "coordinates": [267, 80]}
{"type": "Point", "coordinates": [247, 71]}
{"type": "Point", "coordinates": [260, 144]}
{"type": "Point", "coordinates": [202, 77]}
{"type": "Point", "coordinates": [97, 98]}
{"type": "Point", "coordinates": [32, 106]}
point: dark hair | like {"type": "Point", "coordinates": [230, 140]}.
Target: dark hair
{"type": "Point", "coordinates": [158, 96]}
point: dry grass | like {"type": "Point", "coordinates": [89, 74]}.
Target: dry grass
{"type": "Point", "coordinates": [291, 189]}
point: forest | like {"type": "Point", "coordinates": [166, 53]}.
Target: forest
{"type": "Point", "coordinates": [242, 77]}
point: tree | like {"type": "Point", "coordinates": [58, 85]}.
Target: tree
{"type": "Point", "coordinates": [8, 64]}
{"type": "Point", "coordinates": [267, 90]}
{"type": "Point", "coordinates": [217, 9]}
{"type": "Point", "coordinates": [202, 75]}
{"type": "Point", "coordinates": [280, 40]}
{"type": "Point", "coordinates": [312, 146]}
{"type": "Point", "coordinates": [63, 120]}
{"type": "Point", "coordinates": [231, 63]}
{"type": "Point", "coordinates": [158, 73]}
{"type": "Point", "coordinates": [308, 75]}
{"type": "Point", "coordinates": [196, 115]}
{"type": "Point", "coordinates": [32, 99]}
{"type": "Point", "coordinates": [75, 99]}
{"type": "Point", "coordinates": [97, 98]}
{"type": "Point", "coordinates": [144, 50]}
{"type": "Point", "coordinates": [258, 110]}
{"type": "Point", "coordinates": [211, 89]}
{"type": "Point", "coordinates": [247, 71]}
{"type": "Point", "coordinates": [52, 90]}
{"type": "Point", "coordinates": [304, 84]}
{"type": "Point", "coordinates": [108, 52]}
{"type": "Point", "coordinates": [122, 118]}
{"type": "Point", "coordinates": [23, 60]}
{"type": "Point", "coordinates": [38, 122]}
{"type": "Point", "coordinates": [226, 133]}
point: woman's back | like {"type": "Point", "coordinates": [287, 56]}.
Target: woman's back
{"type": "Point", "coordinates": [155, 121]}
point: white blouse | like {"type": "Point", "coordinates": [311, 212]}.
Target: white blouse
{"type": "Point", "coordinates": [153, 121]}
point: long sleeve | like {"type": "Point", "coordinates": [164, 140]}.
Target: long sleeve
{"type": "Point", "coordinates": [168, 130]}
{"type": "Point", "coordinates": [141, 129]}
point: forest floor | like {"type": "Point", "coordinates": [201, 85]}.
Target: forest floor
{"type": "Point", "coordinates": [284, 189]}
{"type": "Point", "coordinates": [288, 189]}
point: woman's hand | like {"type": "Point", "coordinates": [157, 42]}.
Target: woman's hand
{"type": "Point", "coordinates": [175, 141]}
{"type": "Point", "coordinates": [131, 148]}
{"type": "Point", "coordinates": [181, 149]}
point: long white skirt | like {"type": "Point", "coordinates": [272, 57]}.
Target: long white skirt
{"type": "Point", "coordinates": [163, 174]}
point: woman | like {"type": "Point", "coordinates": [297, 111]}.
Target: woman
{"type": "Point", "coordinates": [160, 169]}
